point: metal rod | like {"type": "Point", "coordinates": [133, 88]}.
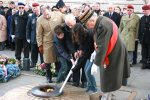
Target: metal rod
{"type": "Point", "coordinates": [70, 72]}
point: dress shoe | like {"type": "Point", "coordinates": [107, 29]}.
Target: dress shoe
{"type": "Point", "coordinates": [84, 85]}
{"type": "Point", "coordinates": [75, 84]}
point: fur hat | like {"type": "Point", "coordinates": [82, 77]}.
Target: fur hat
{"type": "Point", "coordinates": [60, 4]}
{"type": "Point", "coordinates": [85, 16]}
{"type": "Point", "coordinates": [35, 4]}
{"type": "Point", "coordinates": [146, 7]}
{"type": "Point", "coordinates": [130, 7]}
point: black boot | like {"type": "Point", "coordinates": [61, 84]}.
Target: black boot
{"type": "Point", "coordinates": [48, 73]}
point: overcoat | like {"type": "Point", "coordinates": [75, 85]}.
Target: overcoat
{"type": "Point", "coordinates": [45, 32]}
{"type": "Point", "coordinates": [129, 30]}
{"type": "Point", "coordinates": [3, 28]}
{"type": "Point", "coordinates": [111, 77]}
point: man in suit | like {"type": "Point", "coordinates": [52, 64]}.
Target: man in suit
{"type": "Point", "coordinates": [18, 30]}
{"type": "Point", "coordinates": [113, 15]}
{"type": "Point", "coordinates": [144, 36]}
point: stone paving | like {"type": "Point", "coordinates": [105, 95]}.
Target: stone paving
{"type": "Point", "coordinates": [139, 82]}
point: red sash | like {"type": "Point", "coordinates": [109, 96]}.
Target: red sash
{"type": "Point", "coordinates": [111, 44]}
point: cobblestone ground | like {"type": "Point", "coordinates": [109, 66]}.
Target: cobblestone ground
{"type": "Point", "coordinates": [139, 82]}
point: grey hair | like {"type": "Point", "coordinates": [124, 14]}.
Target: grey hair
{"type": "Point", "coordinates": [69, 17]}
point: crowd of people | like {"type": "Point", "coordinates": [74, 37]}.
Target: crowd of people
{"type": "Point", "coordinates": [62, 34]}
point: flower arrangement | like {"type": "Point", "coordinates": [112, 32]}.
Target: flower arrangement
{"type": "Point", "coordinates": [5, 60]}
{"type": "Point", "coordinates": [41, 69]}
{"type": "Point", "coordinates": [8, 68]}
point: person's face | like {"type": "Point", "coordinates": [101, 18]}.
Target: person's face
{"type": "Point", "coordinates": [76, 12]}
{"type": "Point", "coordinates": [86, 8]}
{"type": "Point", "coordinates": [91, 22]}
{"type": "Point", "coordinates": [12, 6]}
{"type": "Point", "coordinates": [14, 11]}
{"type": "Point", "coordinates": [60, 36]}
{"type": "Point", "coordinates": [46, 13]}
{"type": "Point", "coordinates": [36, 9]}
{"type": "Point", "coordinates": [97, 7]}
{"type": "Point", "coordinates": [110, 9]}
{"type": "Point", "coordinates": [117, 10]}
{"type": "Point", "coordinates": [1, 3]}
{"type": "Point", "coordinates": [146, 12]}
{"type": "Point", "coordinates": [71, 23]}
{"type": "Point", "coordinates": [21, 8]}
{"type": "Point", "coordinates": [63, 9]}
{"type": "Point", "coordinates": [129, 11]}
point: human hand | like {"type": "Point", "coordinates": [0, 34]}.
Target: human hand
{"type": "Point", "coordinates": [12, 36]}
{"type": "Point", "coordinates": [41, 49]}
{"type": "Point", "coordinates": [28, 40]}
{"type": "Point", "coordinates": [76, 55]}
{"type": "Point", "coordinates": [72, 61]}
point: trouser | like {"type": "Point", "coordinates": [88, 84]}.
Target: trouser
{"type": "Point", "coordinates": [91, 83]}
{"type": "Point", "coordinates": [34, 54]}
{"type": "Point", "coordinates": [2, 45]}
{"type": "Point", "coordinates": [21, 44]}
{"type": "Point", "coordinates": [48, 71]}
{"type": "Point", "coordinates": [146, 54]}
{"type": "Point", "coordinates": [64, 69]}
{"type": "Point", "coordinates": [57, 66]}
{"type": "Point", "coordinates": [130, 57]}
{"type": "Point", "coordinates": [76, 74]}
{"type": "Point", "coordinates": [135, 53]}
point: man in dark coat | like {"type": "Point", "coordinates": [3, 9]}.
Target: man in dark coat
{"type": "Point", "coordinates": [18, 30]}
{"type": "Point", "coordinates": [110, 49]}
{"type": "Point", "coordinates": [31, 34]}
{"type": "Point", "coordinates": [113, 15]}
{"type": "Point", "coordinates": [144, 36]}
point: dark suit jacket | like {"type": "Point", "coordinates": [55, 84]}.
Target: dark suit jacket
{"type": "Point", "coordinates": [115, 17]}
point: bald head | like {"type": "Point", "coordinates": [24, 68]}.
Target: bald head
{"type": "Point", "coordinates": [70, 20]}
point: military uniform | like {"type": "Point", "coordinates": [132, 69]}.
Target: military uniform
{"type": "Point", "coordinates": [144, 37]}
{"type": "Point", "coordinates": [31, 35]}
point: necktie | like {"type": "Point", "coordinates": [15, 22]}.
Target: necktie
{"type": "Point", "coordinates": [110, 15]}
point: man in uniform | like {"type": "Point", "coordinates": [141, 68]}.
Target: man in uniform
{"type": "Point", "coordinates": [31, 34]}
{"type": "Point", "coordinates": [18, 30]}
{"type": "Point", "coordinates": [128, 29]}
{"type": "Point", "coordinates": [144, 36]}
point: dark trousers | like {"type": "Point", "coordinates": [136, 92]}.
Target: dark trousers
{"type": "Point", "coordinates": [76, 73]}
{"type": "Point", "coordinates": [48, 71]}
{"type": "Point", "coordinates": [2, 45]}
{"type": "Point", "coordinates": [135, 53]}
{"type": "Point", "coordinates": [64, 69]}
{"type": "Point", "coordinates": [21, 44]}
{"type": "Point", "coordinates": [145, 53]}
{"type": "Point", "coordinates": [34, 54]}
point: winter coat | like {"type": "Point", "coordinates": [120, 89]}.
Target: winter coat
{"type": "Point", "coordinates": [3, 28]}
{"type": "Point", "coordinates": [144, 30]}
{"type": "Point", "coordinates": [111, 77]}
{"type": "Point", "coordinates": [60, 48]}
{"type": "Point", "coordinates": [45, 34]}
{"type": "Point", "coordinates": [18, 25]}
{"type": "Point", "coordinates": [129, 30]}
{"type": "Point", "coordinates": [31, 28]}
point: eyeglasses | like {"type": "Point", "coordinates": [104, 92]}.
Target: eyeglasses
{"type": "Point", "coordinates": [21, 7]}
